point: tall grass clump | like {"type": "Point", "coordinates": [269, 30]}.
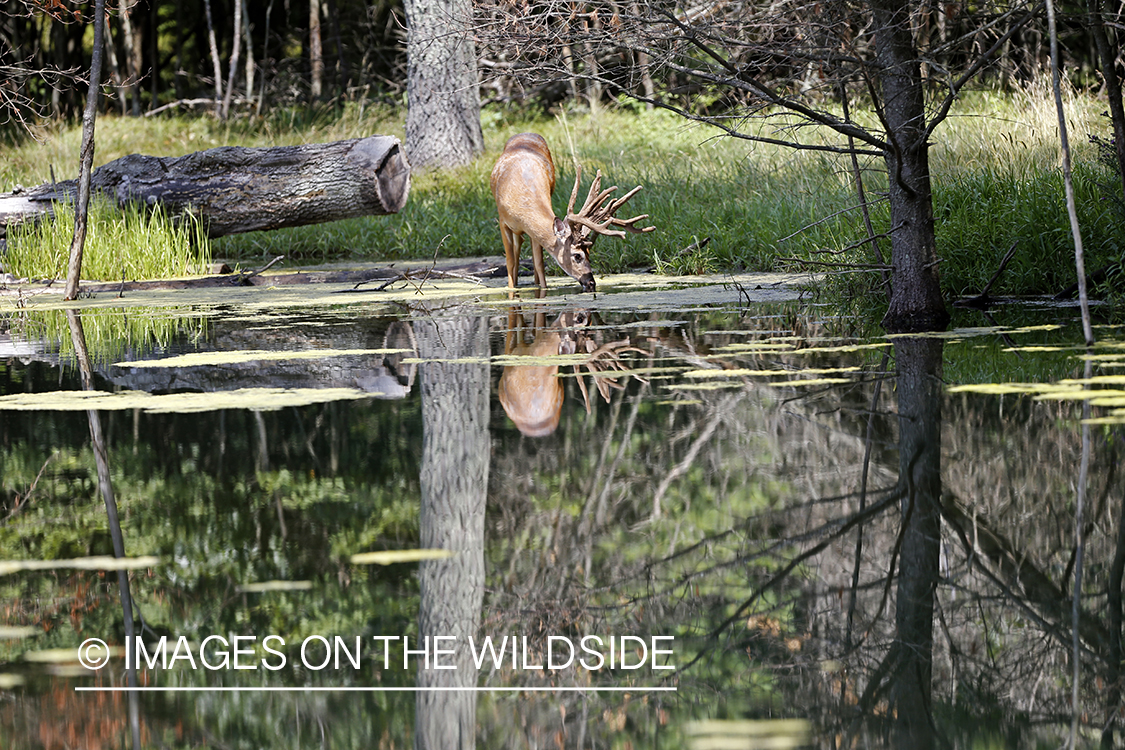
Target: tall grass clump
{"type": "Point", "coordinates": [998, 182]}
{"type": "Point", "coordinates": [130, 243]}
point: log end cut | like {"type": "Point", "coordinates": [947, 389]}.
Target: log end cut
{"type": "Point", "coordinates": [382, 157]}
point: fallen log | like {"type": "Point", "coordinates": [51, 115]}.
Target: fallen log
{"type": "Point", "coordinates": [479, 270]}
{"type": "Point", "coordinates": [236, 189]}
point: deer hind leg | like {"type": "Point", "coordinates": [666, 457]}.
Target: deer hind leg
{"type": "Point", "coordinates": [512, 241]}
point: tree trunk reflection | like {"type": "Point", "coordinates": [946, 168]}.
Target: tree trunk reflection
{"type": "Point", "coordinates": [454, 482]}
{"type": "Point", "coordinates": [105, 486]}
{"type": "Point", "coordinates": [918, 362]}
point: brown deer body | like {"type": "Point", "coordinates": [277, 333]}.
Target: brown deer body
{"type": "Point", "coordinates": [532, 395]}
{"type": "Point", "coordinates": [523, 181]}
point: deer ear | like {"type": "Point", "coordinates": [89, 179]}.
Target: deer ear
{"type": "Point", "coordinates": [562, 229]}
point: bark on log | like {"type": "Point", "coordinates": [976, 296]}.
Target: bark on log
{"type": "Point", "coordinates": [236, 189]}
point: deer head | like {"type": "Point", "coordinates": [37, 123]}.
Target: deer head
{"type": "Point", "coordinates": [573, 255]}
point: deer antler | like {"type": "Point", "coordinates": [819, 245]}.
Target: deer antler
{"type": "Point", "coordinates": [601, 360]}
{"type": "Point", "coordinates": [596, 217]}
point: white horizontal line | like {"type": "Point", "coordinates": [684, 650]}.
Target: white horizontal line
{"type": "Point", "coordinates": [220, 689]}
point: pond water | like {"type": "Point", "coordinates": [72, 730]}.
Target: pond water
{"type": "Point", "coordinates": [699, 514]}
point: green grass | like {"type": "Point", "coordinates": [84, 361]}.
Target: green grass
{"type": "Point", "coordinates": [130, 244]}
{"type": "Point", "coordinates": [743, 197]}
{"type": "Point", "coordinates": [995, 170]}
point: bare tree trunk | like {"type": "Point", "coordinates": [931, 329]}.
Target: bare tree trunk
{"type": "Point", "coordinates": [343, 71]}
{"type": "Point", "coordinates": [1068, 180]}
{"type": "Point", "coordinates": [593, 85]}
{"type": "Point", "coordinates": [1107, 58]}
{"type": "Point", "coordinates": [443, 100]}
{"type": "Point", "coordinates": [218, 70]}
{"type": "Point", "coordinates": [265, 59]}
{"type": "Point", "coordinates": [154, 55]}
{"type": "Point", "coordinates": [249, 41]}
{"type": "Point", "coordinates": [916, 302]}
{"type": "Point", "coordinates": [132, 58]}
{"type": "Point", "coordinates": [115, 68]}
{"type": "Point", "coordinates": [236, 51]}
{"type": "Point", "coordinates": [648, 89]}
{"type": "Point", "coordinates": [180, 33]}
{"type": "Point", "coordinates": [316, 51]}
{"type": "Point", "coordinates": [86, 158]}
{"type": "Point", "coordinates": [572, 79]}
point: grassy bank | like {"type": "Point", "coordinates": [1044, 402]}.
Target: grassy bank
{"type": "Point", "coordinates": [995, 165]}
{"type": "Point", "coordinates": [136, 243]}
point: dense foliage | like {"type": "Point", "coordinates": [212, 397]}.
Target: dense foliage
{"type": "Point", "coordinates": [321, 50]}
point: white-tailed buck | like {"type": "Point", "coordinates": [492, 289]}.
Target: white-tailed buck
{"type": "Point", "coordinates": [523, 181]}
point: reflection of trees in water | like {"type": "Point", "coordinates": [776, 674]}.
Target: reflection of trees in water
{"type": "Point", "coordinates": [454, 480]}
{"type": "Point", "coordinates": [758, 481]}
{"type": "Point", "coordinates": [105, 487]}
{"type": "Point", "coordinates": [747, 481]}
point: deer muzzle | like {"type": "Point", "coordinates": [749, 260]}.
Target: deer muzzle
{"type": "Point", "coordinates": [588, 283]}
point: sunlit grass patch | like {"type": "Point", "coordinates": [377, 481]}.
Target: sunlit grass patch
{"type": "Point", "coordinates": [128, 243]}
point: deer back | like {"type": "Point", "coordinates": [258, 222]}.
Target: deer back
{"type": "Point", "coordinates": [523, 181]}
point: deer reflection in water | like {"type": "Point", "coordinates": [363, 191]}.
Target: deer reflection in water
{"type": "Point", "coordinates": [532, 394]}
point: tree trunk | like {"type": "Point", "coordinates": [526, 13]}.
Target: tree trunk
{"type": "Point", "coordinates": [443, 101]}
{"type": "Point", "coordinates": [232, 69]}
{"type": "Point", "coordinates": [214, 47]}
{"type": "Point", "coordinates": [249, 42]}
{"type": "Point", "coordinates": [132, 58]}
{"type": "Point", "coordinates": [343, 70]}
{"type": "Point", "coordinates": [115, 69]}
{"type": "Point", "coordinates": [916, 302]}
{"type": "Point", "coordinates": [1107, 56]}
{"type": "Point", "coordinates": [86, 156]}
{"type": "Point", "coordinates": [235, 189]}
{"type": "Point", "coordinates": [454, 484]}
{"type": "Point", "coordinates": [316, 51]}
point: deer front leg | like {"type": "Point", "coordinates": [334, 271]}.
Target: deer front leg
{"type": "Point", "coordinates": [540, 269]}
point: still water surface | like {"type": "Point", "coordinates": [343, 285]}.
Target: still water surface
{"type": "Point", "coordinates": [710, 516]}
